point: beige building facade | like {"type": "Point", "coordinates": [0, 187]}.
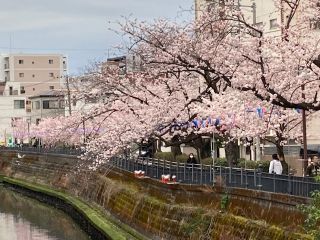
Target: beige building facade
{"type": "Point", "coordinates": [23, 76]}
{"type": "Point", "coordinates": [31, 74]}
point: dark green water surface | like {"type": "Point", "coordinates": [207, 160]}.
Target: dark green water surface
{"type": "Point", "coordinates": [22, 218]}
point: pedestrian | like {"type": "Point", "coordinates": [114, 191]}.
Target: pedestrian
{"type": "Point", "coordinates": [275, 165]}
{"type": "Point", "coordinates": [312, 168]}
{"type": "Point", "coordinates": [192, 159]}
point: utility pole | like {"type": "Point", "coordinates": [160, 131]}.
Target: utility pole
{"type": "Point", "coordinates": [29, 122]}
{"type": "Point", "coordinates": [304, 133]}
{"type": "Point", "coordinates": [213, 158]}
{"type": "Point", "coordinates": [84, 130]}
{"type": "Point", "coordinates": [254, 13]}
{"type": "Point", "coordinates": [68, 92]}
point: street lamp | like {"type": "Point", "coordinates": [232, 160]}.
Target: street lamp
{"type": "Point", "coordinates": [29, 122]}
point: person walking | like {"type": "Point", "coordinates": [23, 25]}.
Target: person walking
{"type": "Point", "coordinates": [313, 167]}
{"type": "Point", "coordinates": [275, 165]}
{"type": "Point", "coordinates": [192, 159]}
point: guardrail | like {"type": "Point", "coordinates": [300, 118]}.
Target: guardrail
{"type": "Point", "coordinates": [57, 150]}
{"type": "Point", "coordinates": [202, 174]}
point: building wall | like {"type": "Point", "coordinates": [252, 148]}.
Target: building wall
{"type": "Point", "coordinates": [8, 113]}
{"type": "Point", "coordinates": [43, 113]}
{"type": "Point", "coordinates": [265, 12]}
{"type": "Point", "coordinates": [35, 72]}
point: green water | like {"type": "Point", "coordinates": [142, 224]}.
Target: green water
{"type": "Point", "coordinates": [22, 218]}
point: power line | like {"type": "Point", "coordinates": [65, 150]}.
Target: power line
{"type": "Point", "coordinates": [56, 49]}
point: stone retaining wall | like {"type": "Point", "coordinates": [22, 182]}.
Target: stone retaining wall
{"type": "Point", "coordinates": [167, 211]}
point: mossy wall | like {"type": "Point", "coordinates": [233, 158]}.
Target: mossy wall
{"type": "Point", "coordinates": [163, 211]}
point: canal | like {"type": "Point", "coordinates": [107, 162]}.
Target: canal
{"type": "Point", "coordinates": [22, 218]}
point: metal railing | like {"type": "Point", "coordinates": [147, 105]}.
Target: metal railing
{"type": "Point", "coordinates": [57, 150]}
{"type": "Point", "coordinates": [201, 174]}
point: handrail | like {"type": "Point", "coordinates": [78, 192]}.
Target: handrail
{"type": "Point", "coordinates": [202, 174]}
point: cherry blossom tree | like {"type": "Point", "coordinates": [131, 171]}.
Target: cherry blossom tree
{"type": "Point", "coordinates": [20, 129]}
{"type": "Point", "coordinates": [206, 69]}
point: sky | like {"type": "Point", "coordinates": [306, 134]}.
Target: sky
{"type": "Point", "coordinates": [79, 29]}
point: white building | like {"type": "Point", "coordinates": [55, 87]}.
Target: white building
{"type": "Point", "coordinates": [23, 76]}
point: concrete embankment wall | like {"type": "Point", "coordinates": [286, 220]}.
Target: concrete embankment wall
{"type": "Point", "coordinates": [166, 211]}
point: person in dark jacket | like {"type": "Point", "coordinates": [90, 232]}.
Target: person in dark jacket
{"type": "Point", "coordinates": [312, 168]}
{"type": "Point", "coordinates": [192, 159]}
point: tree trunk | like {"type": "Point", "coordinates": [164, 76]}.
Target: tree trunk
{"type": "Point", "coordinates": [176, 150]}
{"type": "Point", "coordinates": [232, 152]}
{"type": "Point", "coordinates": [158, 143]}
{"type": "Point", "coordinates": [280, 153]}
{"type": "Point", "coordinates": [199, 155]}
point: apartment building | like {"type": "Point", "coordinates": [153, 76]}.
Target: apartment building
{"type": "Point", "coordinates": [31, 74]}
{"type": "Point", "coordinates": [23, 76]}
{"type": "Point", "coordinates": [264, 14]}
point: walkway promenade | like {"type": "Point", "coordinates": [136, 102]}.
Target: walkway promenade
{"type": "Point", "coordinates": [201, 174]}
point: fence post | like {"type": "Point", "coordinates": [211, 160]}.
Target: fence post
{"type": "Point", "coordinates": [192, 174]}
{"type": "Point", "coordinates": [170, 168]}
{"type": "Point", "coordinates": [255, 177]}
{"type": "Point", "coordinates": [164, 165]}
{"type": "Point", "coordinates": [158, 168]}
{"type": "Point", "coordinates": [177, 174]}
{"type": "Point", "coordinates": [184, 172]}
{"type": "Point", "coordinates": [147, 166]}
{"type": "Point", "coordinates": [201, 169]}
{"type": "Point", "coordinates": [289, 183]}
{"type": "Point", "coordinates": [241, 177]}
{"type": "Point", "coordinates": [274, 182]}
{"type": "Point", "coordinates": [152, 167]}
{"type": "Point", "coordinates": [230, 172]}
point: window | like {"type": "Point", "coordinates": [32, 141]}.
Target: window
{"type": "Point", "coordinates": [21, 74]}
{"type": "Point", "coordinates": [33, 75]}
{"type": "Point", "coordinates": [259, 25]}
{"type": "Point", "coordinates": [273, 23]}
{"type": "Point", "coordinates": [33, 89]}
{"type": "Point", "coordinates": [50, 61]}
{"type": "Point", "coordinates": [14, 120]}
{"type": "Point", "coordinates": [20, 61]}
{"type": "Point", "coordinates": [314, 24]}
{"type": "Point", "coordinates": [32, 62]}
{"type": "Point", "coordinates": [61, 104]}
{"type": "Point", "coordinates": [74, 101]}
{"type": "Point", "coordinates": [51, 75]}
{"type": "Point", "coordinates": [36, 105]}
{"type": "Point", "coordinates": [18, 104]}
{"type": "Point", "coordinates": [38, 121]}
{"type": "Point", "coordinates": [50, 104]}
{"type": "Point", "coordinates": [51, 87]}
{"type": "Point", "coordinates": [22, 90]}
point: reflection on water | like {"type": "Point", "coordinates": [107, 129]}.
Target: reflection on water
{"type": "Point", "coordinates": [22, 218]}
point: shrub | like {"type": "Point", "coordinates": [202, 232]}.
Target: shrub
{"type": "Point", "coordinates": [217, 162]}
{"type": "Point", "coordinates": [182, 158]}
{"type": "Point", "coordinates": [247, 164]}
{"type": "Point", "coordinates": [264, 165]}
{"type": "Point", "coordinates": [164, 156]}
{"type": "Point", "coordinates": [254, 165]}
